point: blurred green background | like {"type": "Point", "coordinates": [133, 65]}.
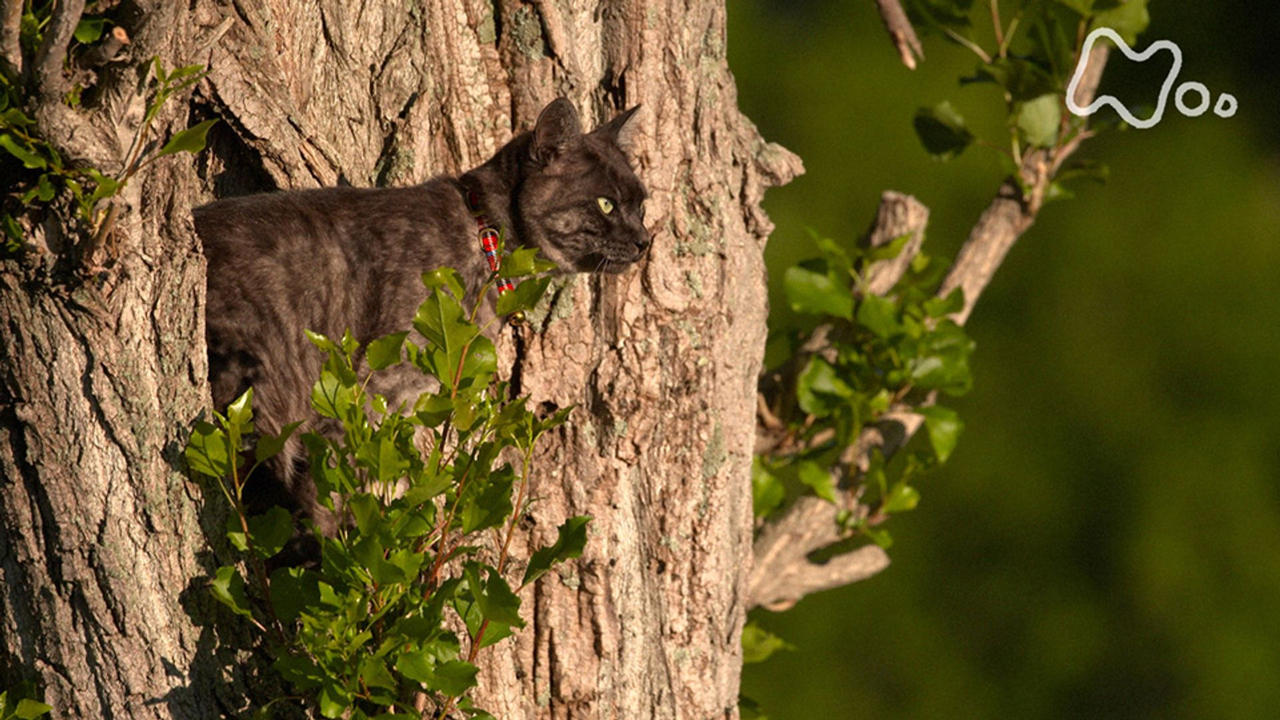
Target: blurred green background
{"type": "Point", "coordinates": [1105, 541]}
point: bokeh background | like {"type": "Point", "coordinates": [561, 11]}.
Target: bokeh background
{"type": "Point", "coordinates": [1105, 541]}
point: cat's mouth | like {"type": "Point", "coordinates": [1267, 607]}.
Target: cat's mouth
{"type": "Point", "coordinates": [614, 262]}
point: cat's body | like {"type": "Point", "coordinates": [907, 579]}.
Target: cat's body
{"type": "Point", "coordinates": [340, 259]}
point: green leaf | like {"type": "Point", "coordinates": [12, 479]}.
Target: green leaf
{"type": "Point", "coordinates": [819, 389]}
{"type": "Point", "coordinates": [479, 364]}
{"type": "Point", "coordinates": [374, 673]}
{"type": "Point", "coordinates": [901, 498]}
{"type": "Point", "coordinates": [936, 307]}
{"type": "Point", "coordinates": [1021, 77]}
{"type": "Point", "coordinates": [240, 411]}
{"type": "Point", "coordinates": [385, 351]}
{"type": "Point", "coordinates": [444, 278]}
{"type": "Point", "coordinates": [207, 451]}
{"type": "Point", "coordinates": [835, 255]}
{"type": "Point", "coordinates": [23, 152]}
{"type": "Point", "coordinates": [486, 501]}
{"type": "Point", "coordinates": [103, 187]}
{"type": "Point", "coordinates": [235, 533]}
{"type": "Point", "coordinates": [270, 531]}
{"type": "Point", "coordinates": [942, 360]}
{"type": "Point", "coordinates": [191, 140]}
{"type": "Point", "coordinates": [942, 131]}
{"type": "Point", "coordinates": [333, 700]}
{"type": "Point", "coordinates": [880, 316]}
{"type": "Point", "coordinates": [1038, 120]}
{"type": "Point", "coordinates": [523, 262]}
{"type": "Point", "coordinates": [271, 445]}
{"type": "Point", "coordinates": [879, 536]}
{"type": "Point", "coordinates": [453, 678]}
{"type": "Point", "coordinates": [415, 665]}
{"type": "Point", "coordinates": [441, 320]}
{"type": "Point", "coordinates": [493, 596]}
{"type": "Point", "coordinates": [571, 538]}
{"type": "Point", "coordinates": [758, 644]}
{"type": "Point", "coordinates": [767, 491]}
{"type": "Point", "coordinates": [889, 250]}
{"type": "Point", "coordinates": [524, 297]}
{"type": "Point", "coordinates": [29, 709]}
{"type": "Point", "coordinates": [811, 289]}
{"type": "Point", "coordinates": [14, 117]}
{"type": "Point", "coordinates": [366, 510]}
{"type": "Point", "coordinates": [228, 587]}
{"type": "Point", "coordinates": [299, 671]}
{"type": "Point", "coordinates": [321, 341]}
{"type": "Point", "coordinates": [944, 427]}
{"type": "Point", "coordinates": [330, 397]}
{"type": "Point", "coordinates": [431, 410]}
{"type": "Point", "coordinates": [89, 29]}
{"type": "Point", "coordinates": [293, 590]}
{"type": "Point", "coordinates": [1128, 19]}
{"type": "Point", "coordinates": [818, 479]}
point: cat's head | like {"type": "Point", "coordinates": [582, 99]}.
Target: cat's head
{"type": "Point", "coordinates": [579, 201]}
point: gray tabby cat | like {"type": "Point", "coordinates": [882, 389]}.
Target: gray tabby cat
{"type": "Point", "coordinates": [335, 259]}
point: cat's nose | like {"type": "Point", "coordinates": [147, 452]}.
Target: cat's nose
{"type": "Point", "coordinates": [643, 240]}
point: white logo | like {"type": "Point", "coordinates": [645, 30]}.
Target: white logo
{"type": "Point", "coordinates": [1225, 107]}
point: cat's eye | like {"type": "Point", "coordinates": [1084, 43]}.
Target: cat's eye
{"type": "Point", "coordinates": [606, 205]}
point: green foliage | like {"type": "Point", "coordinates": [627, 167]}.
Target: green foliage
{"type": "Point", "coordinates": [19, 703]}
{"type": "Point", "coordinates": [35, 171]}
{"type": "Point", "coordinates": [1034, 54]}
{"type": "Point", "coordinates": [758, 644]}
{"type": "Point", "coordinates": [421, 535]}
{"type": "Point", "coordinates": [878, 350]}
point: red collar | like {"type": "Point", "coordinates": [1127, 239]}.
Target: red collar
{"type": "Point", "coordinates": [490, 239]}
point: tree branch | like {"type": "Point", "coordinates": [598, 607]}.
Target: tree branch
{"type": "Point", "coordinates": [46, 68]}
{"type": "Point", "coordinates": [783, 572]}
{"type": "Point", "coordinates": [901, 32]}
{"type": "Point", "coordinates": [1012, 211]}
{"type": "Point", "coordinates": [10, 32]}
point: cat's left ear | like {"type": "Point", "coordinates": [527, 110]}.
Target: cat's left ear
{"type": "Point", "coordinates": [619, 130]}
{"type": "Point", "coordinates": [557, 125]}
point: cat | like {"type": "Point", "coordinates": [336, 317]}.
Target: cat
{"type": "Point", "coordinates": [337, 259]}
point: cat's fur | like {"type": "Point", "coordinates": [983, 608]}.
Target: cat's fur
{"type": "Point", "coordinates": [335, 259]}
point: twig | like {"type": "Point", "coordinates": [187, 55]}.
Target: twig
{"type": "Point", "coordinates": [966, 42]}
{"type": "Point", "coordinates": [901, 32]}
{"type": "Point", "coordinates": [995, 24]}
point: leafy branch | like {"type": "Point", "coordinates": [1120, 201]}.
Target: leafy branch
{"type": "Point", "coordinates": [422, 499]}
{"type": "Point", "coordinates": [835, 454]}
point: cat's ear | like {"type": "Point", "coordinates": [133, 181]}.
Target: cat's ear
{"type": "Point", "coordinates": [619, 130]}
{"type": "Point", "coordinates": [557, 125]}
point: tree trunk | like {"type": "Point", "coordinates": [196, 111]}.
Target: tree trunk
{"type": "Point", "coordinates": [100, 540]}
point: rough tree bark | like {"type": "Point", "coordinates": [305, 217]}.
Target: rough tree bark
{"type": "Point", "coordinates": [100, 537]}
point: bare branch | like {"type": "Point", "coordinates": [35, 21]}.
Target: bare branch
{"type": "Point", "coordinates": [10, 32]}
{"type": "Point", "coordinates": [900, 32]}
{"type": "Point", "coordinates": [783, 546]}
{"type": "Point", "coordinates": [897, 215]}
{"type": "Point", "coordinates": [783, 572]}
{"type": "Point", "coordinates": [46, 67]}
